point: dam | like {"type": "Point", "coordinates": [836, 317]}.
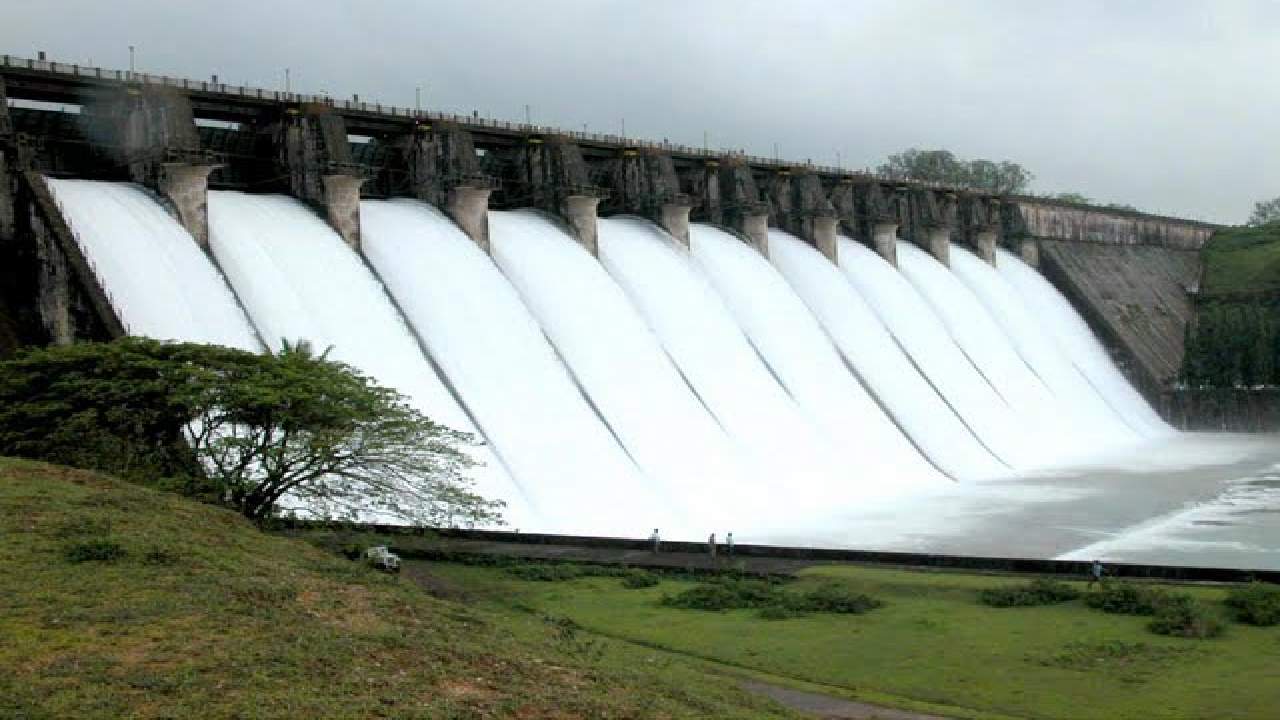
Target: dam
{"type": "Point", "coordinates": [643, 333]}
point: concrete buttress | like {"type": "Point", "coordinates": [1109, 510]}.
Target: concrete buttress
{"type": "Point", "coordinates": [550, 174]}
{"type": "Point", "coordinates": [644, 182]}
{"type": "Point", "coordinates": [151, 131]}
{"type": "Point", "coordinates": [932, 220]}
{"type": "Point", "coordinates": [311, 149]}
{"type": "Point", "coordinates": [798, 204]}
{"type": "Point", "coordinates": [443, 170]}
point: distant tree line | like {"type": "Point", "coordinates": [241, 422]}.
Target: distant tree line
{"type": "Point", "coordinates": [1233, 344]}
{"type": "Point", "coordinates": [1265, 212]}
{"type": "Point", "coordinates": [943, 166]}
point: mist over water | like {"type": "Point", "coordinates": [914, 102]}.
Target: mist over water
{"type": "Point", "coordinates": [712, 388]}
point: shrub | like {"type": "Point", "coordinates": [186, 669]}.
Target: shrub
{"type": "Point", "coordinates": [779, 611]}
{"type": "Point", "coordinates": [1036, 592]}
{"type": "Point", "coordinates": [1256, 603]}
{"type": "Point", "coordinates": [637, 579]}
{"type": "Point", "coordinates": [835, 598]}
{"type": "Point", "coordinates": [1182, 616]}
{"type": "Point", "coordinates": [1127, 599]}
{"type": "Point", "coordinates": [726, 594]}
{"type": "Point", "coordinates": [94, 551]}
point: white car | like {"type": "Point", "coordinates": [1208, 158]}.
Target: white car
{"type": "Point", "coordinates": [382, 558]}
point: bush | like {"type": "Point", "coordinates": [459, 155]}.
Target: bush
{"type": "Point", "coordinates": [779, 611]}
{"type": "Point", "coordinates": [1255, 604]}
{"type": "Point", "coordinates": [835, 598]}
{"type": "Point", "coordinates": [94, 551]}
{"type": "Point", "coordinates": [1127, 599]}
{"type": "Point", "coordinates": [726, 594]}
{"type": "Point", "coordinates": [1036, 592]}
{"type": "Point", "coordinates": [637, 579]}
{"type": "Point", "coordinates": [1182, 616]}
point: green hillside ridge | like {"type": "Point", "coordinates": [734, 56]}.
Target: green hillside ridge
{"type": "Point", "coordinates": [1242, 260]}
{"type": "Point", "coordinates": [120, 601]}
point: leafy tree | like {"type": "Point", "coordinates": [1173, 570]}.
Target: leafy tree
{"type": "Point", "coordinates": [944, 167]}
{"type": "Point", "coordinates": [1072, 197]}
{"type": "Point", "coordinates": [256, 432]}
{"type": "Point", "coordinates": [1265, 212]}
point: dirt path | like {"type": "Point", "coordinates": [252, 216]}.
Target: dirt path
{"type": "Point", "coordinates": [828, 707]}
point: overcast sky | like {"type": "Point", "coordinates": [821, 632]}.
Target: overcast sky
{"type": "Point", "coordinates": [1167, 105]}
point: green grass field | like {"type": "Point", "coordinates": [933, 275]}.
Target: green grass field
{"type": "Point", "coordinates": [118, 601]}
{"type": "Point", "coordinates": [934, 643]}
{"type": "Point", "coordinates": [1243, 260]}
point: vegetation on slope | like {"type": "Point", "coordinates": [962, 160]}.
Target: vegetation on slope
{"type": "Point", "coordinates": [120, 601]}
{"type": "Point", "coordinates": [1243, 259]}
{"type": "Point", "coordinates": [934, 644]}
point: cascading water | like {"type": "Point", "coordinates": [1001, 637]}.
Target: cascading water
{"type": "Point", "coordinates": [801, 356]}
{"type": "Point", "coordinates": [158, 281]}
{"type": "Point", "coordinates": [497, 360]}
{"type": "Point", "coordinates": [623, 370]}
{"type": "Point", "coordinates": [713, 355]}
{"type": "Point", "coordinates": [924, 338]}
{"type": "Point", "coordinates": [1087, 413]}
{"type": "Point", "coordinates": [1078, 342]}
{"type": "Point", "coordinates": [299, 281]}
{"type": "Point", "coordinates": [887, 372]}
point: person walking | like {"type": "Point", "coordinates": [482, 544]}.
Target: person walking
{"type": "Point", "coordinates": [728, 544]}
{"type": "Point", "coordinates": [1096, 571]}
{"type": "Point", "coordinates": [655, 541]}
{"type": "Point", "coordinates": [711, 546]}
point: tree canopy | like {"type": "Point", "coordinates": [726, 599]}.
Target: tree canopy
{"type": "Point", "coordinates": [260, 433]}
{"type": "Point", "coordinates": [943, 166]}
{"type": "Point", "coordinates": [1265, 212]}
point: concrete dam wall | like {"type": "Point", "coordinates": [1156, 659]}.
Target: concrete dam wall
{"type": "Point", "coordinates": [1128, 273]}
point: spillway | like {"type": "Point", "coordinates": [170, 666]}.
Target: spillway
{"type": "Point", "coordinates": [157, 279]}
{"type": "Point", "coordinates": [880, 363]}
{"type": "Point", "coordinates": [496, 358]}
{"type": "Point", "coordinates": [704, 341]}
{"type": "Point", "coordinates": [925, 340]}
{"type": "Point", "coordinates": [623, 369]}
{"type": "Point", "coordinates": [1087, 413]}
{"type": "Point", "coordinates": [1079, 343]}
{"type": "Point", "coordinates": [797, 351]}
{"type": "Point", "coordinates": [299, 281]}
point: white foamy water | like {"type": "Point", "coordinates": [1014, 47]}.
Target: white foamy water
{"type": "Point", "coordinates": [879, 362]}
{"type": "Point", "coordinates": [496, 358]}
{"type": "Point", "coordinates": [792, 343]}
{"type": "Point", "coordinates": [160, 283]}
{"type": "Point", "coordinates": [1078, 342]}
{"type": "Point", "coordinates": [299, 281]}
{"type": "Point", "coordinates": [925, 340]}
{"type": "Point", "coordinates": [704, 341]}
{"type": "Point", "coordinates": [1087, 413]}
{"type": "Point", "coordinates": [623, 369]}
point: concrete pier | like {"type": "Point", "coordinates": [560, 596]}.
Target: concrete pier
{"type": "Point", "coordinates": [870, 212]}
{"type": "Point", "coordinates": [798, 204]}
{"type": "Point", "coordinates": [644, 182]}
{"type": "Point", "coordinates": [151, 131]}
{"type": "Point", "coordinates": [980, 224]}
{"type": "Point", "coordinates": [740, 205]}
{"type": "Point", "coordinates": [443, 169]}
{"type": "Point", "coordinates": [311, 150]}
{"type": "Point", "coordinates": [932, 218]}
{"type": "Point", "coordinates": [551, 174]}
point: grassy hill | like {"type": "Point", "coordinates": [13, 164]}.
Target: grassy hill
{"type": "Point", "coordinates": [118, 601]}
{"type": "Point", "coordinates": [1243, 260]}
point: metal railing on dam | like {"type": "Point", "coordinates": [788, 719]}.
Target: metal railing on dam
{"type": "Point", "coordinates": [92, 74]}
